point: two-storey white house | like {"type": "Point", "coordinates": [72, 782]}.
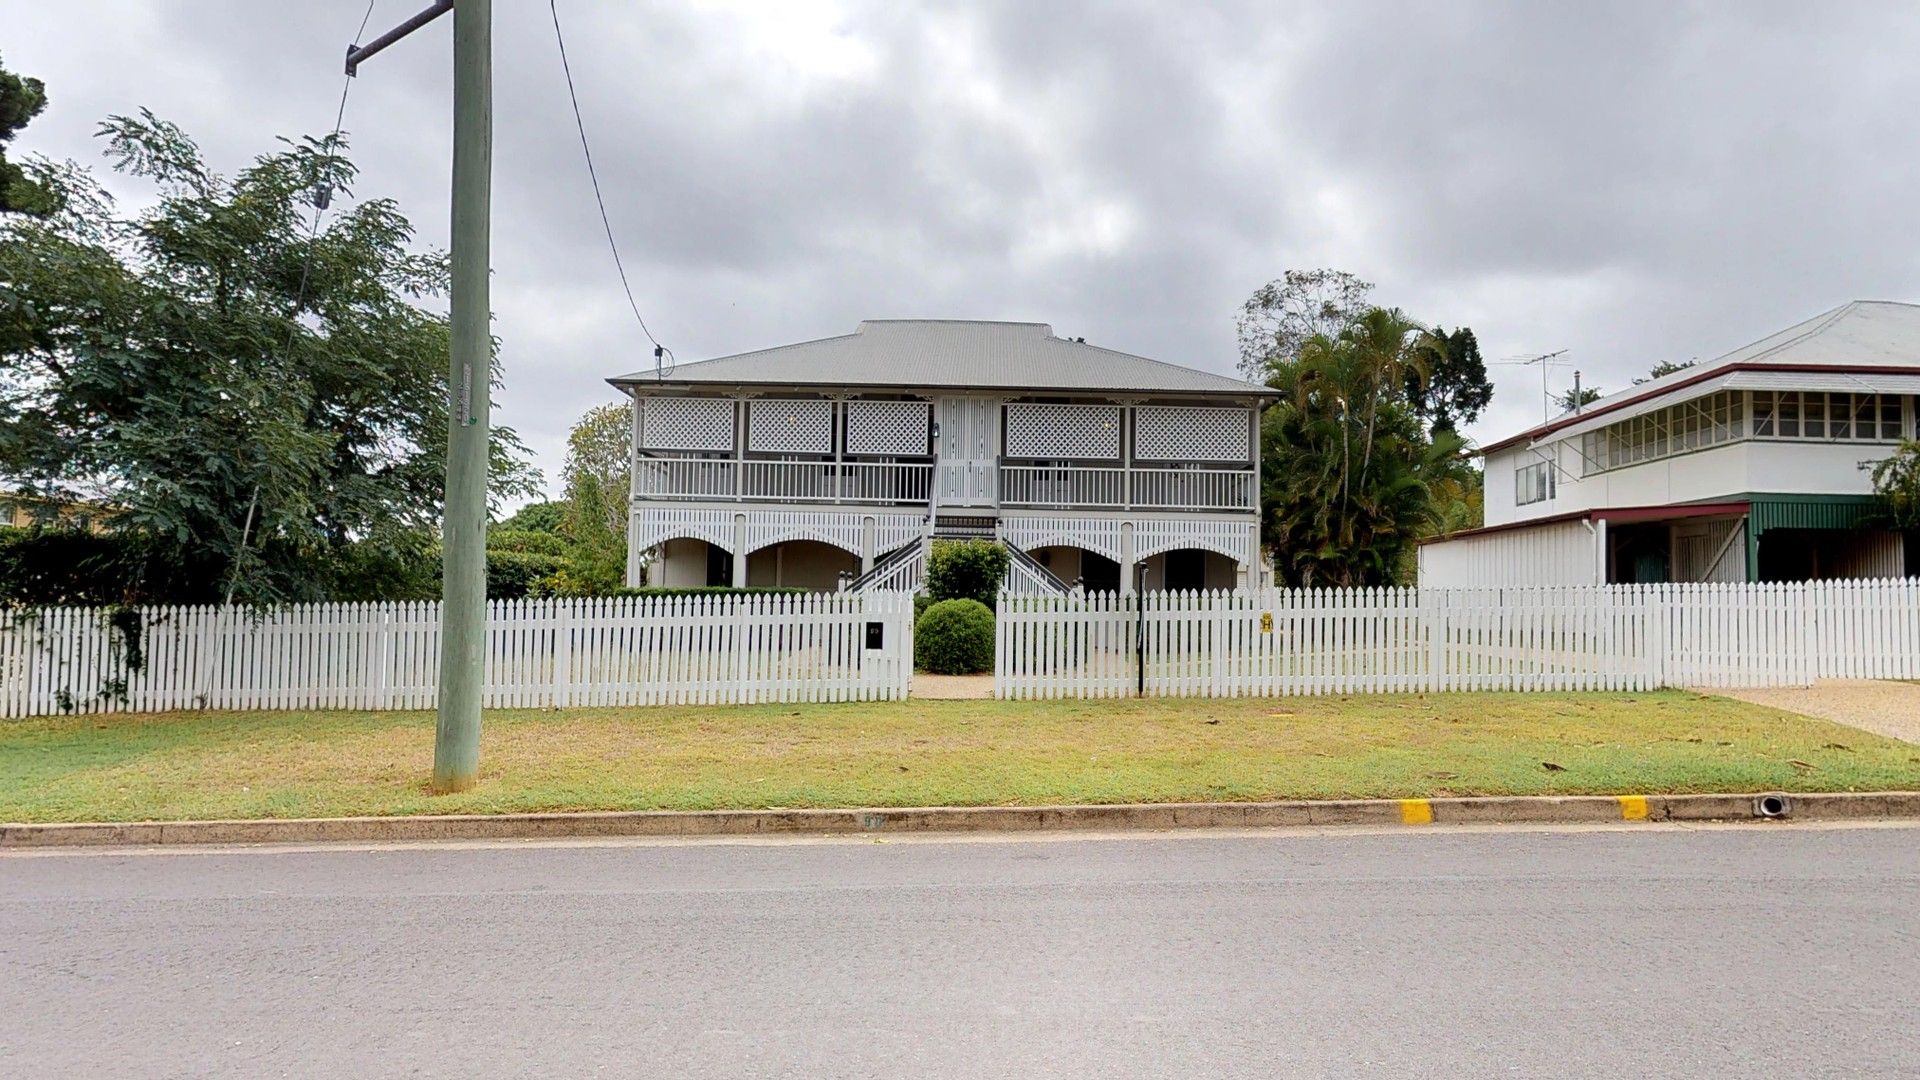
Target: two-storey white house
{"type": "Point", "coordinates": [832, 463]}
{"type": "Point", "coordinates": [1753, 466]}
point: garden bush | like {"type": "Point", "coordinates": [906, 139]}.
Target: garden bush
{"type": "Point", "coordinates": [513, 575]}
{"type": "Point", "coordinates": [526, 542]}
{"type": "Point", "coordinates": [954, 637]}
{"type": "Point", "coordinates": [966, 570]}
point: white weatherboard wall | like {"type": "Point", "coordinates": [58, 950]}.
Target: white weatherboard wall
{"type": "Point", "coordinates": [1721, 472]}
{"type": "Point", "coordinates": [1560, 553]}
{"type": "Point", "coordinates": [721, 649]}
{"type": "Point", "coordinates": [1592, 637]}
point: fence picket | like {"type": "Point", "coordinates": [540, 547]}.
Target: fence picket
{"type": "Point", "coordinates": [630, 650]}
{"type": "Point", "coordinates": [1605, 637]}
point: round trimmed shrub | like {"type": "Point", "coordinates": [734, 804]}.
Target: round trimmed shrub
{"type": "Point", "coordinates": [954, 637]}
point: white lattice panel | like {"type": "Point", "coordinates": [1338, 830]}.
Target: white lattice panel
{"type": "Point", "coordinates": [1230, 538]}
{"type": "Point", "coordinates": [1190, 433]}
{"type": "Point", "coordinates": [1063, 431]}
{"type": "Point", "coordinates": [887, 427]}
{"type": "Point", "coordinates": [1098, 535]}
{"type": "Point", "coordinates": [687, 423]}
{"type": "Point", "coordinates": [790, 426]}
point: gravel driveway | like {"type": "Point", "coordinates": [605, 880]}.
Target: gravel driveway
{"type": "Point", "coordinates": [1884, 708]}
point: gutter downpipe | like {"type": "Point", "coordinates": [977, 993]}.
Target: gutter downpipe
{"type": "Point", "coordinates": [1598, 530]}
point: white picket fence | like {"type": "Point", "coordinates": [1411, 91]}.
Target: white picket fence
{"type": "Point", "coordinates": [1606, 637]}
{"type": "Point", "coordinates": [615, 651]}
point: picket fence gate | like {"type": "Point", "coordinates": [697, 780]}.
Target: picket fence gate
{"type": "Point", "coordinates": [1328, 641]}
{"type": "Point", "coordinates": [700, 649]}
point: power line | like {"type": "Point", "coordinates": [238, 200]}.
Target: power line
{"type": "Point", "coordinates": [660, 351]}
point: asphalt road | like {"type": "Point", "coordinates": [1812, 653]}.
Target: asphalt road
{"type": "Point", "coordinates": [1648, 952]}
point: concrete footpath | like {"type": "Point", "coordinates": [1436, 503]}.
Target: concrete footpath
{"type": "Point", "coordinates": [1761, 806]}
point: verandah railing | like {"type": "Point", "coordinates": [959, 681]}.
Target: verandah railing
{"type": "Point", "coordinates": [1609, 637]}
{"type": "Point", "coordinates": [776, 481]}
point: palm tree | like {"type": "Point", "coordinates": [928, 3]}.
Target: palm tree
{"type": "Point", "coordinates": [1349, 468]}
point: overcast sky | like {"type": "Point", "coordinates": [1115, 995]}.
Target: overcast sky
{"type": "Point", "coordinates": [1631, 182]}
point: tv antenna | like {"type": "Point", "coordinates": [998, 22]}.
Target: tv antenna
{"type": "Point", "coordinates": [1545, 361]}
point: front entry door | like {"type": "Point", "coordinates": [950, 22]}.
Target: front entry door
{"type": "Point", "coordinates": [969, 451]}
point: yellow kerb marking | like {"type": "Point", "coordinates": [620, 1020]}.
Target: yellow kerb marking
{"type": "Point", "coordinates": [1633, 807]}
{"type": "Point", "coordinates": [1416, 812]}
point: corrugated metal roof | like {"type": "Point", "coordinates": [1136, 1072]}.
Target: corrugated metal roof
{"type": "Point", "coordinates": [949, 353]}
{"type": "Point", "coordinates": [1832, 512]}
{"type": "Point", "coordinates": [1856, 342]}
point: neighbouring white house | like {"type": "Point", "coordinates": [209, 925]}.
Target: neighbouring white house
{"type": "Point", "coordinates": [1753, 466]}
{"type": "Point", "coordinates": [833, 463]}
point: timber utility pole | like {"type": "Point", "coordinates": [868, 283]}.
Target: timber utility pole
{"type": "Point", "coordinates": [463, 610]}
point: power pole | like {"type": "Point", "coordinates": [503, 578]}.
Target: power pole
{"type": "Point", "coordinates": [463, 609]}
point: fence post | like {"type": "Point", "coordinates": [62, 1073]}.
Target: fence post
{"type": "Point", "coordinates": [560, 611]}
{"type": "Point", "coordinates": [1655, 606]}
{"type": "Point", "coordinates": [1436, 621]}
{"type": "Point", "coordinates": [1809, 635]}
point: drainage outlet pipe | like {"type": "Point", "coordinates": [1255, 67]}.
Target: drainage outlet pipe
{"type": "Point", "coordinates": [1772, 806]}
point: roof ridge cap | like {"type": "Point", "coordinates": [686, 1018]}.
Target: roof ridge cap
{"type": "Point", "coordinates": [1164, 363]}
{"type": "Point", "coordinates": [1820, 322]}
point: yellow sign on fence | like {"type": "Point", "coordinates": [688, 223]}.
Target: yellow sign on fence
{"type": "Point", "coordinates": [1266, 622]}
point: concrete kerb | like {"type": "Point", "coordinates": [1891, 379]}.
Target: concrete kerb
{"type": "Point", "coordinates": [1549, 809]}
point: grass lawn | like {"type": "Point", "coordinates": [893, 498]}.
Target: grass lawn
{"type": "Point", "coordinates": [919, 753]}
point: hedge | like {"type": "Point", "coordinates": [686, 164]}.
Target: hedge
{"type": "Point", "coordinates": [954, 637]}
{"type": "Point", "coordinates": [966, 570]}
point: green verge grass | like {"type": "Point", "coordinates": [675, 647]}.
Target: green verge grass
{"type": "Point", "coordinates": [929, 753]}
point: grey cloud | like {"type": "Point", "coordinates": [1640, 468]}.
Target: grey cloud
{"type": "Point", "coordinates": [1634, 182]}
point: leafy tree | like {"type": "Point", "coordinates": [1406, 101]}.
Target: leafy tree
{"type": "Point", "coordinates": [1455, 388]}
{"type": "Point", "coordinates": [1570, 401]}
{"type": "Point", "coordinates": [543, 517]}
{"type": "Point", "coordinates": [21, 99]}
{"type": "Point", "coordinates": [966, 570]}
{"type": "Point", "coordinates": [1661, 369]}
{"type": "Point", "coordinates": [1282, 316]}
{"type": "Point", "coordinates": [598, 475]}
{"type": "Point", "coordinates": [263, 397]}
{"type": "Point", "coordinates": [1896, 482]}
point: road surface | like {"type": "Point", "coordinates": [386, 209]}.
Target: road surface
{"type": "Point", "coordinates": [1646, 951]}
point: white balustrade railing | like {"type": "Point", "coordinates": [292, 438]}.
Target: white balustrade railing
{"type": "Point", "coordinates": [885, 482]}
{"type": "Point", "coordinates": [782, 481]}
{"type": "Point", "coordinates": [807, 481]}
{"type": "Point", "coordinates": [912, 483]}
{"type": "Point", "coordinates": [1194, 489]}
{"type": "Point", "coordinates": [684, 477]}
{"type": "Point", "coordinates": [1048, 485]}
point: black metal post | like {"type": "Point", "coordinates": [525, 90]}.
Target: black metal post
{"type": "Point", "coordinates": [1140, 631]}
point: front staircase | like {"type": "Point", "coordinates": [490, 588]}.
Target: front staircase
{"type": "Point", "coordinates": [962, 527]}
{"type": "Point", "coordinates": [904, 569]}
